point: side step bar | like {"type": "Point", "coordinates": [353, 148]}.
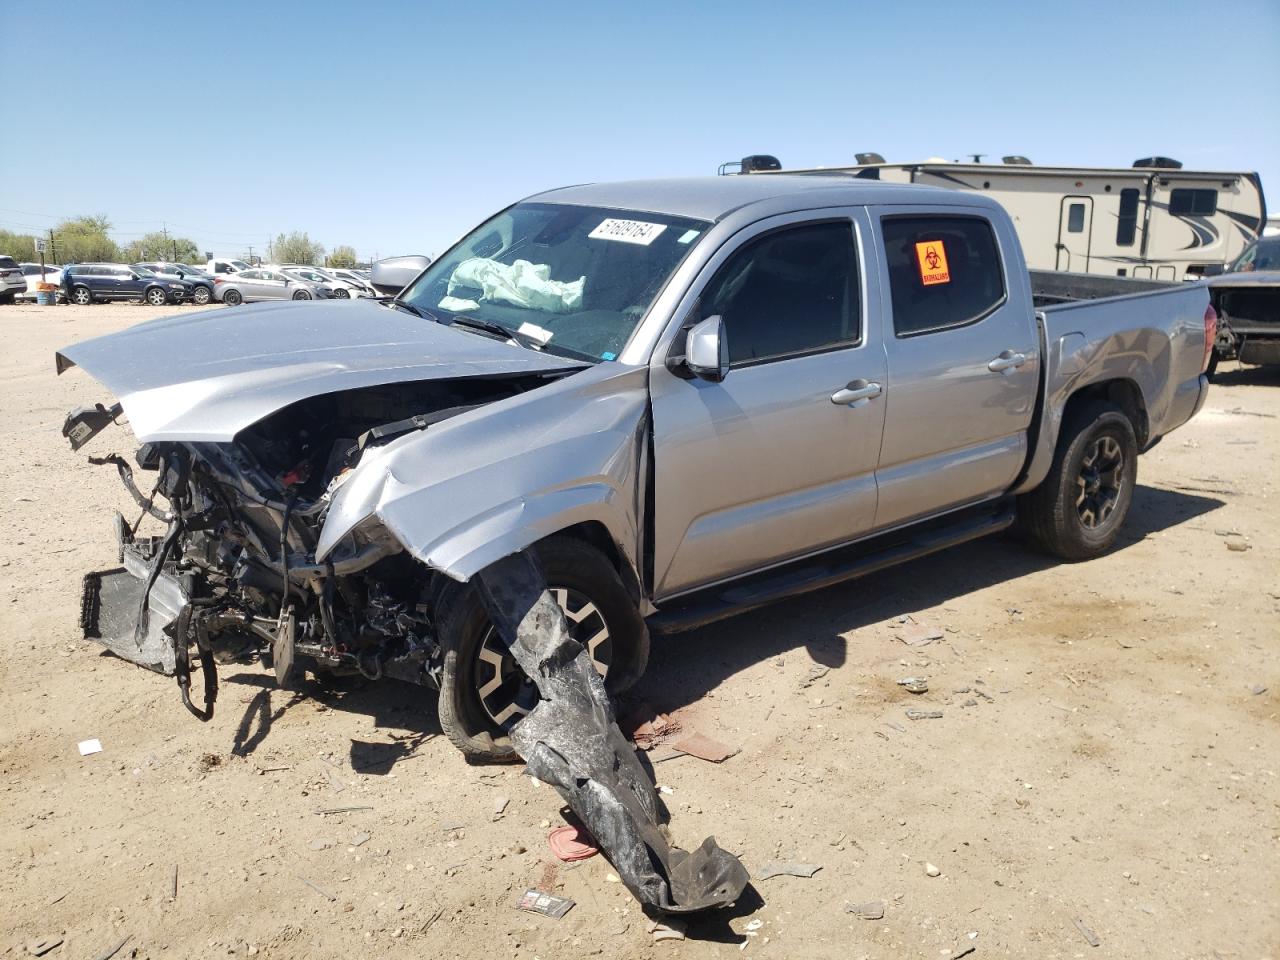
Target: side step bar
{"type": "Point", "coordinates": [843, 563]}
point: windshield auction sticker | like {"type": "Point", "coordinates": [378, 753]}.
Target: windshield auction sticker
{"type": "Point", "coordinates": [932, 257]}
{"type": "Point", "coordinates": [628, 231]}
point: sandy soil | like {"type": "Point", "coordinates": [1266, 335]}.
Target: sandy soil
{"type": "Point", "coordinates": [1105, 755]}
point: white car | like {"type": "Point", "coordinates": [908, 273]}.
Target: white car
{"type": "Point", "coordinates": [342, 289]}
{"type": "Point", "coordinates": [215, 267]}
{"type": "Point", "coordinates": [32, 273]}
{"type": "Point", "coordinates": [350, 276]}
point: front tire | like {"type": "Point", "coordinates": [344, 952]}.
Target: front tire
{"type": "Point", "coordinates": [302, 295]}
{"type": "Point", "coordinates": [201, 296]}
{"type": "Point", "coordinates": [1077, 513]}
{"type": "Point", "coordinates": [156, 297]}
{"type": "Point", "coordinates": [81, 296]}
{"type": "Point", "coordinates": [483, 693]}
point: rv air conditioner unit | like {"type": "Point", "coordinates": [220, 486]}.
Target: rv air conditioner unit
{"type": "Point", "coordinates": [759, 161]}
{"type": "Point", "coordinates": [1160, 163]}
{"type": "Point", "coordinates": [864, 158]}
{"type": "Point", "coordinates": [1016, 160]}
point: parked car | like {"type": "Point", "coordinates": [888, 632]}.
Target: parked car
{"type": "Point", "coordinates": [12, 280]}
{"type": "Point", "coordinates": [1247, 299]}
{"type": "Point", "coordinates": [215, 267]}
{"type": "Point", "coordinates": [686, 398]}
{"type": "Point", "coordinates": [340, 288]}
{"type": "Point", "coordinates": [350, 276]}
{"type": "Point", "coordinates": [262, 283]}
{"type": "Point", "coordinates": [84, 283]}
{"type": "Point", "coordinates": [201, 282]}
{"type": "Point", "coordinates": [34, 276]}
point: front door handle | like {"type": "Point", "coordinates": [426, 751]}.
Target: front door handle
{"type": "Point", "coordinates": [858, 393]}
{"type": "Point", "coordinates": [1007, 361]}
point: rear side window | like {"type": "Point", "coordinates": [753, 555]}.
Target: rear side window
{"type": "Point", "coordinates": [791, 292]}
{"type": "Point", "coordinates": [1127, 221]}
{"type": "Point", "coordinates": [1193, 203]}
{"type": "Point", "coordinates": [943, 272]}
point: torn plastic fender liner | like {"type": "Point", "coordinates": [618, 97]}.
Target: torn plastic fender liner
{"type": "Point", "coordinates": [571, 740]}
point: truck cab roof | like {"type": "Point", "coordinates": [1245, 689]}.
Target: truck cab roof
{"type": "Point", "coordinates": [714, 198]}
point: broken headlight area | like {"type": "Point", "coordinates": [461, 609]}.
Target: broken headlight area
{"type": "Point", "coordinates": [234, 575]}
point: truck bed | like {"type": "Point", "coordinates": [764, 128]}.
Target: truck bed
{"type": "Point", "coordinates": [1049, 287]}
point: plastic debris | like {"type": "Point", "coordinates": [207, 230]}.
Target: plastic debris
{"type": "Point", "coordinates": [670, 930]}
{"type": "Point", "coordinates": [914, 714]}
{"type": "Point", "coordinates": [1090, 937]}
{"type": "Point", "coordinates": [500, 805]}
{"type": "Point", "coordinates": [571, 844]}
{"type": "Point", "coordinates": [919, 635]}
{"type": "Point", "coordinates": [872, 910]}
{"type": "Point", "coordinates": [42, 946]}
{"type": "Point", "coordinates": [931, 871]}
{"type": "Point", "coordinates": [547, 904]}
{"type": "Point", "coordinates": [90, 746]}
{"type": "Point", "coordinates": [914, 684]}
{"type": "Point", "coordinates": [787, 868]}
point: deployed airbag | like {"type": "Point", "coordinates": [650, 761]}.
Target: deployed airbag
{"type": "Point", "coordinates": [521, 284]}
{"type": "Point", "coordinates": [571, 741]}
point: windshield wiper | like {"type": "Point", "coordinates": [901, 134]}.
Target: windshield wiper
{"type": "Point", "coordinates": [497, 329]}
{"type": "Point", "coordinates": [414, 309]}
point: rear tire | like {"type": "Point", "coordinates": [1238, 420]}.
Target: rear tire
{"type": "Point", "coordinates": [1077, 513]}
{"type": "Point", "coordinates": [233, 298]}
{"type": "Point", "coordinates": [81, 295]}
{"type": "Point", "coordinates": [464, 626]}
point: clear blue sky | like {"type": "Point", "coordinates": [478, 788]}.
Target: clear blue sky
{"type": "Point", "coordinates": [394, 127]}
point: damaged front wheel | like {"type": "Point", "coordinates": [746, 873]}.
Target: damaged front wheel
{"type": "Point", "coordinates": [484, 693]}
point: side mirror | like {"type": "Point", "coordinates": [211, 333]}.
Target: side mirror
{"type": "Point", "coordinates": [393, 274]}
{"type": "Point", "coordinates": [706, 350]}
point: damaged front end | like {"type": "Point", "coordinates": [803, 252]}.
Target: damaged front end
{"type": "Point", "coordinates": [235, 574]}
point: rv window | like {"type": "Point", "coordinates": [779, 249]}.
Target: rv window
{"type": "Point", "coordinates": [1196, 203]}
{"type": "Point", "coordinates": [1075, 218]}
{"type": "Point", "coordinates": [943, 272]}
{"type": "Point", "coordinates": [788, 293]}
{"type": "Point", "coordinates": [1127, 224]}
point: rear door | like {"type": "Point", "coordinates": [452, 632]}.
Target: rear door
{"type": "Point", "coordinates": [778, 459]}
{"type": "Point", "coordinates": [1075, 224]}
{"type": "Point", "coordinates": [963, 361]}
{"type": "Point", "coordinates": [275, 286]}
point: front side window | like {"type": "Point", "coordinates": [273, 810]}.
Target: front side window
{"type": "Point", "coordinates": [567, 279]}
{"type": "Point", "coordinates": [944, 271]}
{"type": "Point", "coordinates": [1193, 203]}
{"type": "Point", "coordinates": [251, 274]}
{"type": "Point", "coordinates": [1127, 221]}
{"type": "Point", "coordinates": [791, 292]}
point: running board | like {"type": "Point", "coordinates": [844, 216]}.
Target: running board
{"type": "Point", "coordinates": [835, 566]}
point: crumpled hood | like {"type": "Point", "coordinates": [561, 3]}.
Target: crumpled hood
{"type": "Point", "coordinates": [206, 376]}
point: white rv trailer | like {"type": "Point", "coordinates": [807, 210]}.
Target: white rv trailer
{"type": "Point", "coordinates": [1155, 221]}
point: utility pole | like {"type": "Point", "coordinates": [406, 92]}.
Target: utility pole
{"type": "Point", "coordinates": [53, 250]}
{"type": "Point", "coordinates": [251, 254]}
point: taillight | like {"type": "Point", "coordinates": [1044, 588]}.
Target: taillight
{"type": "Point", "coordinates": [217, 280]}
{"type": "Point", "coordinates": [1210, 334]}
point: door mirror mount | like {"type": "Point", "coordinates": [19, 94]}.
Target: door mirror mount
{"type": "Point", "coordinates": [706, 350]}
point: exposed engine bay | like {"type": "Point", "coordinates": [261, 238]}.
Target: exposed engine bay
{"type": "Point", "coordinates": [234, 574]}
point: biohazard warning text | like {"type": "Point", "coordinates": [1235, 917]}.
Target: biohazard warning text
{"type": "Point", "coordinates": [932, 257]}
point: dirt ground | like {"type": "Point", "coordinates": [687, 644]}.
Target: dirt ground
{"type": "Point", "coordinates": [1106, 760]}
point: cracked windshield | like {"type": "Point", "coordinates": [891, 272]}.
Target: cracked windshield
{"type": "Point", "coordinates": [571, 280]}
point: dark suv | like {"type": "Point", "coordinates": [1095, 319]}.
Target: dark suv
{"type": "Point", "coordinates": [85, 283]}
{"type": "Point", "coordinates": [202, 283]}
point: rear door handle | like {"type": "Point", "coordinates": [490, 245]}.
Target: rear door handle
{"type": "Point", "coordinates": [1007, 361]}
{"type": "Point", "coordinates": [858, 393]}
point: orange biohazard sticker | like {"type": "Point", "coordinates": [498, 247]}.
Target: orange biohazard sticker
{"type": "Point", "coordinates": [932, 256]}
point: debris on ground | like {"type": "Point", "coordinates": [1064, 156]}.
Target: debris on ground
{"type": "Point", "coordinates": [1090, 937]}
{"type": "Point", "coordinates": [647, 730]}
{"type": "Point", "coordinates": [1257, 689]}
{"type": "Point", "coordinates": [1238, 546]}
{"type": "Point", "coordinates": [332, 811]}
{"type": "Point", "coordinates": [816, 673]}
{"type": "Point", "coordinates": [914, 684]}
{"type": "Point", "coordinates": [319, 889]}
{"type": "Point", "coordinates": [787, 868]}
{"type": "Point", "coordinates": [571, 844]}
{"type": "Point", "coordinates": [547, 904]}
{"type": "Point", "coordinates": [500, 805]}
{"type": "Point", "coordinates": [931, 871]}
{"type": "Point", "coordinates": [705, 748]}
{"type": "Point", "coordinates": [914, 714]}
{"type": "Point", "coordinates": [872, 910]}
{"type": "Point", "coordinates": [668, 930]}
{"type": "Point", "coordinates": [571, 740]}
{"type": "Point", "coordinates": [359, 839]}
{"type": "Point", "coordinates": [962, 951]}
{"type": "Point", "coordinates": [90, 746]}
{"type": "Point", "coordinates": [38, 948]}
{"type": "Point", "coordinates": [918, 634]}
{"type": "Point", "coordinates": [111, 951]}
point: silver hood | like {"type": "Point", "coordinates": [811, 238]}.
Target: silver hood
{"type": "Point", "coordinates": [206, 376]}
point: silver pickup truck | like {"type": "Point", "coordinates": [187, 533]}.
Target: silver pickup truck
{"type": "Point", "coordinates": [685, 398]}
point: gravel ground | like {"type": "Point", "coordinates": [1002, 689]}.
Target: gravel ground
{"type": "Point", "coordinates": [1105, 764]}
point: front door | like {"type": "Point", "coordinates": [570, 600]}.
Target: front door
{"type": "Point", "coordinates": [1075, 223]}
{"type": "Point", "coordinates": [963, 360]}
{"type": "Point", "coordinates": [778, 459]}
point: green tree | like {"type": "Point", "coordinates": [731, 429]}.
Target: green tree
{"type": "Point", "coordinates": [343, 257]}
{"type": "Point", "coordinates": [159, 246]}
{"type": "Point", "coordinates": [296, 247]}
{"type": "Point", "coordinates": [20, 246]}
{"type": "Point", "coordinates": [82, 239]}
